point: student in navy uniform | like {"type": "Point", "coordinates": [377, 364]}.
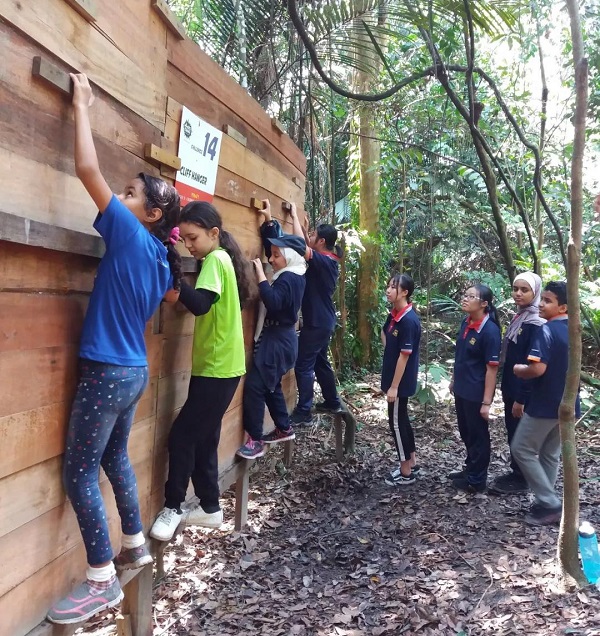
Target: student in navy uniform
{"type": "Point", "coordinates": [400, 336]}
{"type": "Point", "coordinates": [276, 345]}
{"type": "Point", "coordinates": [318, 321]}
{"type": "Point", "coordinates": [516, 345]}
{"type": "Point", "coordinates": [536, 445]}
{"type": "Point", "coordinates": [474, 383]}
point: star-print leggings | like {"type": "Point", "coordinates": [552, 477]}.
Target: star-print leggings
{"type": "Point", "coordinates": [99, 427]}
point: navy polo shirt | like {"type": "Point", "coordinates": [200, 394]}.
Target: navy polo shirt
{"type": "Point", "coordinates": [283, 298]}
{"type": "Point", "coordinates": [322, 276]}
{"type": "Point", "coordinates": [475, 349]}
{"type": "Point", "coordinates": [132, 278]}
{"type": "Point", "coordinates": [513, 388]}
{"type": "Point", "coordinates": [402, 337]}
{"type": "Point", "coordinates": [551, 347]}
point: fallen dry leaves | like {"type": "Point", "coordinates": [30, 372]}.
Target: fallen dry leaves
{"type": "Point", "coordinates": [331, 550]}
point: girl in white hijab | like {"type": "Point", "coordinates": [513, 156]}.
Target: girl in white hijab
{"type": "Point", "coordinates": [526, 292]}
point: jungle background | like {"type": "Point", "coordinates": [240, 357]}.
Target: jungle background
{"type": "Point", "coordinates": [439, 138]}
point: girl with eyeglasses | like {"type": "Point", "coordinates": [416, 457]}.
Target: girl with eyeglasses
{"type": "Point", "coordinates": [474, 383]}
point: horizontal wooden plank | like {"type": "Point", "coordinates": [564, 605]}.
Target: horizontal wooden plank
{"type": "Point", "coordinates": [176, 355]}
{"type": "Point", "coordinates": [172, 392]}
{"type": "Point", "coordinates": [20, 318]}
{"type": "Point", "coordinates": [76, 42]}
{"type": "Point", "coordinates": [26, 231]}
{"type": "Point", "coordinates": [219, 113]}
{"type": "Point", "coordinates": [41, 485]}
{"type": "Point", "coordinates": [24, 268]}
{"type": "Point", "coordinates": [200, 68]}
{"type": "Point", "coordinates": [57, 79]}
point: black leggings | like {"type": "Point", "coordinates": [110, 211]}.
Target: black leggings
{"type": "Point", "coordinates": [194, 440]}
{"type": "Point", "coordinates": [402, 431]}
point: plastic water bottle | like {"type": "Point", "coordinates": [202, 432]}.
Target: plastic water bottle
{"type": "Point", "coordinates": [590, 555]}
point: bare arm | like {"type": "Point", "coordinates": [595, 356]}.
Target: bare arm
{"type": "Point", "coordinates": [86, 159]}
{"type": "Point", "coordinates": [298, 229]}
{"type": "Point", "coordinates": [491, 373]}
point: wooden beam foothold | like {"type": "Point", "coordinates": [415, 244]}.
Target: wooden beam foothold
{"type": "Point", "coordinates": [296, 181]}
{"type": "Point", "coordinates": [52, 75]}
{"type": "Point", "coordinates": [169, 18]}
{"type": "Point", "coordinates": [286, 206]}
{"type": "Point", "coordinates": [278, 125]}
{"type": "Point", "coordinates": [235, 134]}
{"type": "Point", "coordinates": [257, 204]}
{"type": "Point", "coordinates": [160, 156]}
{"type": "Point", "coordinates": [86, 8]}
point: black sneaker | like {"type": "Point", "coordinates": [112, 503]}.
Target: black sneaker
{"type": "Point", "coordinates": [509, 484]}
{"type": "Point", "coordinates": [323, 407]}
{"type": "Point", "coordinates": [462, 483]}
{"type": "Point", "coordinates": [540, 516]}
{"type": "Point", "coordinates": [396, 478]}
{"type": "Point", "coordinates": [457, 474]}
{"type": "Point", "coordinates": [301, 419]}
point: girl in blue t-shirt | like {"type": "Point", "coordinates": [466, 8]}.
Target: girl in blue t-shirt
{"type": "Point", "coordinates": [276, 346]}
{"type": "Point", "coordinates": [401, 335]}
{"type": "Point", "coordinates": [474, 384]}
{"type": "Point", "coordinates": [139, 268]}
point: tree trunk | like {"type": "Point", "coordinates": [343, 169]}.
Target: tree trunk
{"type": "Point", "coordinates": [567, 539]}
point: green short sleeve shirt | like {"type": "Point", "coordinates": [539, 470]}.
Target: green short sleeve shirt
{"type": "Point", "coordinates": [218, 337]}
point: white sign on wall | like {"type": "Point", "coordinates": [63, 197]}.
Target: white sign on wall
{"type": "Point", "coordinates": [199, 148]}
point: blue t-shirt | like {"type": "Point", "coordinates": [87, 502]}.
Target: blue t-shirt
{"type": "Point", "coordinates": [322, 276]}
{"type": "Point", "coordinates": [402, 336]}
{"type": "Point", "coordinates": [283, 298]}
{"type": "Point", "coordinates": [551, 346]}
{"type": "Point", "coordinates": [477, 346]}
{"type": "Point", "coordinates": [513, 388]}
{"type": "Point", "coordinates": [132, 278]}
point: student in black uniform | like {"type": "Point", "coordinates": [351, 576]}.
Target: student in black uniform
{"type": "Point", "coordinates": [318, 321]}
{"type": "Point", "coordinates": [474, 383]}
{"type": "Point", "coordinates": [400, 336]}
{"type": "Point", "coordinates": [527, 290]}
{"type": "Point", "coordinates": [276, 345]}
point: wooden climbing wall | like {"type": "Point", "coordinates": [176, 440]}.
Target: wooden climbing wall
{"type": "Point", "coordinates": [143, 71]}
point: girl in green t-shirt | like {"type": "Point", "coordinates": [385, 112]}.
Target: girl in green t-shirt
{"type": "Point", "coordinates": [218, 363]}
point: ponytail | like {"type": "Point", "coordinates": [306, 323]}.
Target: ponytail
{"type": "Point", "coordinates": [159, 194]}
{"type": "Point", "coordinates": [205, 215]}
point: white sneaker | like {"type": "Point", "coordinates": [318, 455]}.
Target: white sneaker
{"type": "Point", "coordinates": [165, 525]}
{"type": "Point", "coordinates": [197, 517]}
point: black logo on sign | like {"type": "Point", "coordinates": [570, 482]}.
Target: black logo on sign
{"type": "Point", "coordinates": [187, 129]}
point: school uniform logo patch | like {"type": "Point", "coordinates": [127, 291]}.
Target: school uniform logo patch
{"type": "Point", "coordinates": [395, 332]}
{"type": "Point", "coordinates": [472, 341]}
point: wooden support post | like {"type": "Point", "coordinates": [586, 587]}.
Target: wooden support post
{"type": "Point", "coordinates": [124, 625]}
{"type": "Point", "coordinates": [52, 75]}
{"type": "Point", "coordinates": [137, 603]}
{"type": "Point", "coordinates": [350, 434]}
{"type": "Point", "coordinates": [288, 453]}
{"type": "Point", "coordinates": [242, 486]}
{"type": "Point", "coordinates": [159, 559]}
{"type": "Point", "coordinates": [85, 8]}
{"type": "Point", "coordinates": [169, 18]}
{"type": "Point", "coordinates": [339, 441]}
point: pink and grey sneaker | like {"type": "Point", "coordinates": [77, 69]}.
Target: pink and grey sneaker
{"type": "Point", "coordinates": [85, 601]}
{"type": "Point", "coordinates": [132, 558]}
{"type": "Point", "coordinates": [277, 436]}
{"type": "Point", "coordinates": [251, 449]}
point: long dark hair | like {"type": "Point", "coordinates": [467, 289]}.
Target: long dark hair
{"type": "Point", "coordinates": [205, 215]}
{"type": "Point", "coordinates": [485, 293]}
{"type": "Point", "coordinates": [405, 282]}
{"type": "Point", "coordinates": [330, 234]}
{"type": "Point", "coordinates": [159, 194]}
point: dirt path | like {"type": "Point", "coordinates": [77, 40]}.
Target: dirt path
{"type": "Point", "coordinates": [331, 550]}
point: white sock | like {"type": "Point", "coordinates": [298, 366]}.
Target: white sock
{"type": "Point", "coordinates": [100, 575]}
{"type": "Point", "coordinates": [129, 541]}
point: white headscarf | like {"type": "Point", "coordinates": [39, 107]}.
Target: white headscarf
{"type": "Point", "coordinates": [525, 315]}
{"type": "Point", "coordinates": [295, 264]}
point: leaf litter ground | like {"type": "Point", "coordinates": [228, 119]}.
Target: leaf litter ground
{"type": "Point", "coordinates": [331, 550]}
